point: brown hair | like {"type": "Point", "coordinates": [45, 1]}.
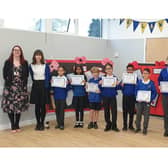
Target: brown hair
{"type": "Point", "coordinates": [95, 69]}
{"type": "Point", "coordinates": [38, 52]}
{"type": "Point", "coordinates": [22, 60]}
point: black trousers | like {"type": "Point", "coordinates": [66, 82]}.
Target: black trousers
{"type": "Point", "coordinates": [40, 113]}
{"type": "Point", "coordinates": [165, 108]}
{"type": "Point", "coordinates": [128, 105]}
{"type": "Point", "coordinates": [14, 120]}
{"type": "Point", "coordinates": [60, 106]}
{"type": "Point", "coordinates": [110, 103]}
{"type": "Point", "coordinates": [79, 102]}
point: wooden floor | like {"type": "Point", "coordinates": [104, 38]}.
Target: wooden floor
{"type": "Point", "coordinates": [82, 137]}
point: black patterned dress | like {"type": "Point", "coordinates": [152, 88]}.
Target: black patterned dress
{"type": "Point", "coordinates": [15, 97]}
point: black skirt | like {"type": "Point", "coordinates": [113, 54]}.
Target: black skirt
{"type": "Point", "coordinates": [39, 94]}
{"type": "Point", "coordinates": [80, 102]}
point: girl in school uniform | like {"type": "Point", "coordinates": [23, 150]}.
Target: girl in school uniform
{"type": "Point", "coordinates": [60, 94]}
{"type": "Point", "coordinates": [94, 99]}
{"type": "Point", "coordinates": [79, 96]}
{"type": "Point", "coordinates": [15, 95]}
{"type": "Point", "coordinates": [40, 74]}
{"type": "Point", "coordinates": [163, 77]}
{"type": "Point", "coordinates": [110, 101]}
{"type": "Point", "coordinates": [143, 107]}
{"type": "Point", "coordinates": [128, 101]}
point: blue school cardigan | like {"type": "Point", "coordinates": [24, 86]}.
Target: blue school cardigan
{"type": "Point", "coordinates": [146, 87]}
{"type": "Point", "coordinates": [109, 91]}
{"type": "Point", "coordinates": [94, 97]}
{"type": "Point", "coordinates": [47, 75]}
{"type": "Point", "coordinates": [163, 77]}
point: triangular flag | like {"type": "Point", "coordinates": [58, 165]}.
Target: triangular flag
{"type": "Point", "coordinates": [135, 24]}
{"type": "Point", "coordinates": [128, 22]}
{"type": "Point", "coordinates": [166, 20]}
{"type": "Point", "coordinates": [143, 26]}
{"type": "Point", "coordinates": [160, 24]}
{"type": "Point", "coordinates": [151, 26]}
{"type": "Point", "coordinates": [121, 21]}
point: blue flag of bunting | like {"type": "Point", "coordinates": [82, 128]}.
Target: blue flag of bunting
{"type": "Point", "coordinates": [121, 21]}
{"type": "Point", "coordinates": [151, 26]}
{"type": "Point", "coordinates": [166, 20]}
{"type": "Point", "coordinates": [135, 25]}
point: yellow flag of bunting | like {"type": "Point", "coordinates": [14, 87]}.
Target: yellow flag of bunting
{"type": "Point", "coordinates": [160, 24]}
{"type": "Point", "coordinates": [143, 26]}
{"type": "Point", "coordinates": [128, 22]}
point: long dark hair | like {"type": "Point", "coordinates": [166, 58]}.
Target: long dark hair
{"type": "Point", "coordinates": [38, 52]}
{"type": "Point", "coordinates": [22, 60]}
{"type": "Point", "coordinates": [78, 66]}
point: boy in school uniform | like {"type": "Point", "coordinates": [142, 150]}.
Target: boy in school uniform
{"type": "Point", "coordinates": [94, 98]}
{"type": "Point", "coordinates": [163, 77]}
{"type": "Point", "coordinates": [128, 101]}
{"type": "Point", "coordinates": [143, 106]}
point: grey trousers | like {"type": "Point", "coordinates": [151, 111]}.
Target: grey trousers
{"type": "Point", "coordinates": [142, 108]}
{"type": "Point", "coordinates": [165, 109]}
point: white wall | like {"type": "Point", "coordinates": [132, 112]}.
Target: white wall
{"type": "Point", "coordinates": [113, 30]}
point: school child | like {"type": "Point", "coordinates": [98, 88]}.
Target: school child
{"type": "Point", "coordinates": [60, 94]}
{"type": "Point", "coordinates": [94, 97]}
{"type": "Point", "coordinates": [128, 101]}
{"type": "Point", "coordinates": [40, 74]}
{"type": "Point", "coordinates": [143, 106]}
{"type": "Point", "coordinates": [163, 77]}
{"type": "Point", "coordinates": [79, 96]}
{"type": "Point", "coordinates": [109, 100]}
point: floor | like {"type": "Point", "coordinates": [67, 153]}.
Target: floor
{"type": "Point", "coordinates": [82, 137]}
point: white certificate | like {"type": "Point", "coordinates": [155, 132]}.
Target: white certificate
{"type": "Point", "coordinates": [129, 78]}
{"type": "Point", "coordinates": [77, 79]}
{"type": "Point", "coordinates": [164, 87]}
{"type": "Point", "coordinates": [92, 87]}
{"type": "Point", "coordinates": [109, 81]}
{"type": "Point", "coordinates": [143, 96]}
{"type": "Point", "coordinates": [59, 82]}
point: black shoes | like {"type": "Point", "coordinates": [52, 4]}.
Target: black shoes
{"type": "Point", "coordinates": [131, 128]}
{"type": "Point", "coordinates": [95, 125]}
{"type": "Point", "coordinates": [90, 125]}
{"type": "Point", "coordinates": [107, 128]}
{"type": "Point", "coordinates": [166, 134]}
{"type": "Point", "coordinates": [61, 127]}
{"type": "Point", "coordinates": [79, 124]}
{"type": "Point", "coordinates": [57, 126]}
{"type": "Point", "coordinates": [116, 129]}
{"type": "Point", "coordinates": [137, 130]}
{"type": "Point", "coordinates": [145, 131]}
{"type": "Point", "coordinates": [124, 129]}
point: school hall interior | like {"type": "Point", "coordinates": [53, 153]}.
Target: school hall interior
{"type": "Point", "coordinates": [116, 39]}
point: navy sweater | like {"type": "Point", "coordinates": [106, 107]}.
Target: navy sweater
{"type": "Point", "coordinates": [94, 97]}
{"type": "Point", "coordinates": [109, 91]}
{"type": "Point", "coordinates": [163, 77]}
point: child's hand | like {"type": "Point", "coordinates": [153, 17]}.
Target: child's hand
{"type": "Point", "coordinates": [70, 81]}
{"type": "Point", "coordinates": [118, 83]}
{"type": "Point", "coordinates": [100, 82]}
{"type": "Point", "coordinates": [98, 91]}
{"type": "Point", "coordinates": [84, 82]}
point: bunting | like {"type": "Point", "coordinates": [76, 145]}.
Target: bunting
{"type": "Point", "coordinates": [151, 26]}
{"type": "Point", "coordinates": [128, 22]}
{"type": "Point", "coordinates": [143, 25]}
{"type": "Point", "coordinates": [160, 24]}
{"type": "Point", "coordinates": [121, 21]}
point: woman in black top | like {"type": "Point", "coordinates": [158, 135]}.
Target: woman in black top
{"type": "Point", "coordinates": [15, 96]}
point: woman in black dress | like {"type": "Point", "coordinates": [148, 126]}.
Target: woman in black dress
{"type": "Point", "coordinates": [40, 73]}
{"type": "Point", "coordinates": [15, 95]}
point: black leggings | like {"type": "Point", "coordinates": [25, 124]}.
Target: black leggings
{"type": "Point", "coordinates": [40, 112]}
{"type": "Point", "coordinates": [14, 120]}
{"type": "Point", "coordinates": [79, 114]}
